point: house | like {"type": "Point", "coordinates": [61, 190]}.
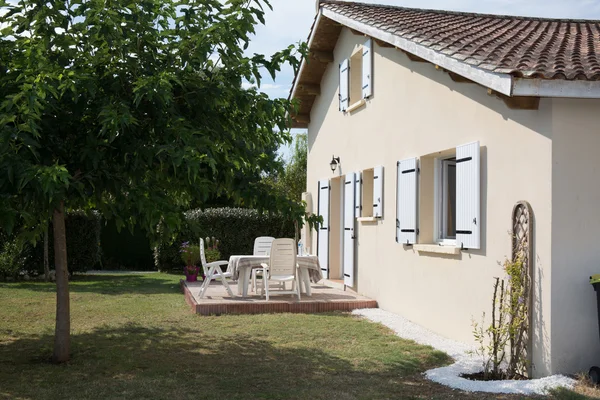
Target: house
{"type": "Point", "coordinates": [442, 123]}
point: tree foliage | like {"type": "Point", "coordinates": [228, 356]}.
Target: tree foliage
{"type": "Point", "coordinates": [134, 109]}
{"type": "Point", "coordinates": [290, 181]}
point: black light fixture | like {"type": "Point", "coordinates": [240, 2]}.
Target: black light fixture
{"type": "Point", "coordinates": [334, 163]}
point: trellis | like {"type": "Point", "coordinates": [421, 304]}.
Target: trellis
{"type": "Point", "coordinates": [522, 247]}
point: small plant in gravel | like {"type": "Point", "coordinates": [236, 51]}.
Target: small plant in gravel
{"type": "Point", "coordinates": [503, 344]}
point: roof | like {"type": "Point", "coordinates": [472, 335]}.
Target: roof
{"type": "Point", "coordinates": [520, 46]}
{"type": "Point", "coordinates": [514, 56]}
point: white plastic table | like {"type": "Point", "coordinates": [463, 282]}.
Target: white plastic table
{"type": "Point", "coordinates": [241, 268]}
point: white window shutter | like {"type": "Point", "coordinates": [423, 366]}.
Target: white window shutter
{"type": "Point", "coordinates": [323, 231]}
{"type": "Point", "coordinates": [344, 85]}
{"type": "Point", "coordinates": [378, 192]}
{"type": "Point", "coordinates": [357, 195]}
{"type": "Point", "coordinates": [349, 237]}
{"type": "Point", "coordinates": [367, 69]}
{"type": "Point", "coordinates": [406, 207]}
{"type": "Point", "coordinates": [468, 218]}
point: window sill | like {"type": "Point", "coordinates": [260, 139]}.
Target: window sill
{"type": "Point", "coordinates": [436, 248]}
{"type": "Point", "coordinates": [356, 106]}
{"type": "Point", "coordinates": [367, 219]}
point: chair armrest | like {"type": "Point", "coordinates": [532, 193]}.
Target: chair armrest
{"type": "Point", "coordinates": [265, 271]}
{"type": "Point", "coordinates": [218, 263]}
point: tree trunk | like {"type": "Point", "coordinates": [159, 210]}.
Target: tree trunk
{"type": "Point", "coordinates": [46, 260]}
{"type": "Point", "coordinates": [62, 333]}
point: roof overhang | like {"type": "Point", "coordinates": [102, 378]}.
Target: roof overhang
{"type": "Point", "coordinates": [505, 84]}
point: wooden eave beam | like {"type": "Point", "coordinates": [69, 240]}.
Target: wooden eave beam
{"type": "Point", "coordinates": [381, 43]}
{"type": "Point", "coordinates": [413, 57]}
{"type": "Point", "coordinates": [302, 119]}
{"type": "Point", "coordinates": [517, 102]}
{"type": "Point", "coordinates": [321, 56]}
{"type": "Point", "coordinates": [354, 31]}
{"type": "Point", "coordinates": [459, 78]}
{"type": "Point", "coordinates": [313, 89]}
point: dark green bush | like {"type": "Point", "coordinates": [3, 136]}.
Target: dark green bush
{"type": "Point", "coordinates": [12, 258]}
{"type": "Point", "coordinates": [235, 228]}
{"type": "Point", "coordinates": [83, 244]}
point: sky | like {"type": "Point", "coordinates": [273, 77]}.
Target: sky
{"type": "Point", "coordinates": [290, 22]}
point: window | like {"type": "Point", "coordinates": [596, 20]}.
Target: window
{"type": "Point", "coordinates": [438, 199]}
{"type": "Point", "coordinates": [356, 64]}
{"type": "Point", "coordinates": [356, 82]}
{"type": "Point", "coordinates": [371, 189]}
{"type": "Point", "coordinates": [446, 201]}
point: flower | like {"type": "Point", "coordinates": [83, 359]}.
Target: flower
{"type": "Point", "coordinates": [191, 270]}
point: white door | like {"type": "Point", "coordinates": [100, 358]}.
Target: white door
{"type": "Point", "coordinates": [349, 186]}
{"type": "Point", "coordinates": [323, 232]}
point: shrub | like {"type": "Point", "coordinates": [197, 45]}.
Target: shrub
{"type": "Point", "coordinates": [503, 344]}
{"type": "Point", "coordinates": [12, 258]}
{"type": "Point", "coordinates": [236, 229]}
{"type": "Point", "coordinates": [83, 244]}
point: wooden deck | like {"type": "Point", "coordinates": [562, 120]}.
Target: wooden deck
{"type": "Point", "coordinates": [323, 299]}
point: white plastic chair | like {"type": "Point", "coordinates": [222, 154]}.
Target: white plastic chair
{"type": "Point", "coordinates": [262, 247]}
{"type": "Point", "coordinates": [212, 271]}
{"type": "Point", "coordinates": [282, 267]}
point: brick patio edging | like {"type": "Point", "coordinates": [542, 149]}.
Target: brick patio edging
{"type": "Point", "coordinates": [273, 306]}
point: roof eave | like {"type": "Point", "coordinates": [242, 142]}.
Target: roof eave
{"type": "Point", "coordinates": [501, 83]}
{"type": "Point", "coordinates": [536, 87]}
{"type": "Point", "coordinates": [303, 63]}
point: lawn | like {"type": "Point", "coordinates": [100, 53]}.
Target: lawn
{"type": "Point", "coordinates": [134, 337]}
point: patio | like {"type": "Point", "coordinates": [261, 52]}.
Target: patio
{"type": "Point", "coordinates": [323, 299]}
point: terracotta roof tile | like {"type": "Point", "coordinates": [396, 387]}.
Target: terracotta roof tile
{"type": "Point", "coordinates": [520, 46]}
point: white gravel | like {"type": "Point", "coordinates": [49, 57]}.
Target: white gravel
{"type": "Point", "coordinates": [465, 363]}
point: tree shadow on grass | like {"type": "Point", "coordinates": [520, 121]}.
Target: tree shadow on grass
{"type": "Point", "coordinates": [139, 362]}
{"type": "Point", "coordinates": [105, 284]}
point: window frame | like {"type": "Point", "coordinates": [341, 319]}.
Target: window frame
{"type": "Point", "coordinates": [440, 201]}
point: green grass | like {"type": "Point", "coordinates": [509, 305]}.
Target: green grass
{"type": "Point", "coordinates": [134, 337]}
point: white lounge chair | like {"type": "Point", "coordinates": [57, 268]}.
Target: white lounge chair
{"type": "Point", "coordinates": [262, 247]}
{"type": "Point", "coordinates": [212, 271]}
{"type": "Point", "coordinates": [282, 267]}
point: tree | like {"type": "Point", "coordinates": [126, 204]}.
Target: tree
{"type": "Point", "coordinates": [135, 109]}
{"type": "Point", "coordinates": [290, 181]}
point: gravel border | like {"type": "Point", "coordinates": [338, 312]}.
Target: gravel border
{"type": "Point", "coordinates": [464, 363]}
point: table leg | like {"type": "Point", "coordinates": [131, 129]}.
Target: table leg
{"type": "Point", "coordinates": [240, 282]}
{"type": "Point", "coordinates": [245, 281]}
{"type": "Point", "coordinates": [305, 278]}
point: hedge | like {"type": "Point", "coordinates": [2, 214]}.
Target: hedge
{"type": "Point", "coordinates": [235, 228]}
{"type": "Point", "coordinates": [83, 246]}
{"type": "Point", "coordinates": [83, 243]}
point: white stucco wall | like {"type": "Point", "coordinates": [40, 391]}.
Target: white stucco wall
{"type": "Point", "coordinates": [417, 110]}
{"type": "Point", "coordinates": [575, 233]}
